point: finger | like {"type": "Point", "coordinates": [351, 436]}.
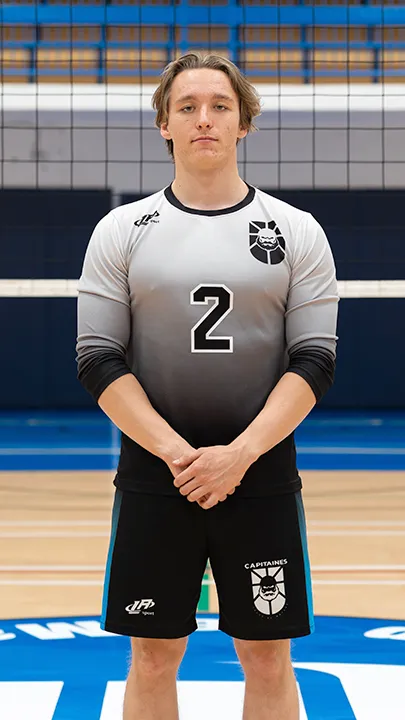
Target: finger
{"type": "Point", "coordinates": [212, 500]}
{"type": "Point", "coordinates": [190, 487]}
{"type": "Point", "coordinates": [185, 476]}
{"type": "Point", "coordinates": [202, 500]}
{"type": "Point", "coordinates": [231, 492]}
{"type": "Point", "coordinates": [198, 492]}
{"type": "Point", "coordinates": [187, 458]}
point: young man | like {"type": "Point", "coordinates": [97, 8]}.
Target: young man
{"type": "Point", "coordinates": [207, 320]}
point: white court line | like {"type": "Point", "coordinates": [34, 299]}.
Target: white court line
{"type": "Point", "coordinates": [100, 583]}
{"type": "Point", "coordinates": [361, 568]}
{"type": "Point", "coordinates": [373, 583]}
{"type": "Point", "coordinates": [100, 568]}
{"type": "Point", "coordinates": [55, 583]}
{"type": "Point", "coordinates": [311, 533]}
{"type": "Point", "coordinates": [356, 523]}
{"type": "Point", "coordinates": [106, 523]}
{"type": "Point", "coordinates": [46, 534]}
{"type": "Point", "coordinates": [355, 533]}
{"type": "Point", "coordinates": [33, 700]}
{"type": "Point", "coordinates": [52, 568]}
{"type": "Point", "coordinates": [340, 582]}
{"type": "Point", "coordinates": [52, 523]}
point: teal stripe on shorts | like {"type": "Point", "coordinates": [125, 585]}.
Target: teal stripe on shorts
{"type": "Point", "coordinates": [114, 526]}
{"type": "Point", "coordinates": [304, 542]}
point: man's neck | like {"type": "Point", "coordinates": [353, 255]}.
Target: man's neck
{"type": "Point", "coordinates": [209, 191]}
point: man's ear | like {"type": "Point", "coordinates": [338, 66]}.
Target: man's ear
{"type": "Point", "coordinates": [165, 132]}
{"type": "Point", "coordinates": [242, 133]}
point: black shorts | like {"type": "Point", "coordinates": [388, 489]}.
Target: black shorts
{"type": "Point", "coordinates": [158, 553]}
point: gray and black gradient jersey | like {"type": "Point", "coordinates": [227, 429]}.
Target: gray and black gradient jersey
{"type": "Point", "coordinates": [207, 309]}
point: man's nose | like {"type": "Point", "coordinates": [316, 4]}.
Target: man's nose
{"type": "Point", "coordinates": [204, 118]}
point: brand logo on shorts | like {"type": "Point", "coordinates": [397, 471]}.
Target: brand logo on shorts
{"type": "Point", "coordinates": [268, 586]}
{"type": "Point", "coordinates": [140, 606]}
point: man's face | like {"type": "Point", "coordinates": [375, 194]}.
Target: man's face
{"type": "Point", "coordinates": [203, 119]}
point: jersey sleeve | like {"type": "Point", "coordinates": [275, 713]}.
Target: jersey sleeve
{"type": "Point", "coordinates": [311, 315]}
{"type": "Point", "coordinates": [312, 303]}
{"type": "Point", "coordinates": [104, 317]}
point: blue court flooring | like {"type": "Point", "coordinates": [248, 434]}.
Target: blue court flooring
{"type": "Point", "coordinates": [69, 669]}
{"type": "Point", "coordinates": [326, 440]}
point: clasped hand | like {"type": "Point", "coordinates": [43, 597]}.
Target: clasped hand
{"type": "Point", "coordinates": [209, 474]}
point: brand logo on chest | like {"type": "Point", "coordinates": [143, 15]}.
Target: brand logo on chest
{"type": "Point", "coordinates": [146, 219]}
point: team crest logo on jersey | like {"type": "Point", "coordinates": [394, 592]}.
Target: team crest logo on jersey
{"type": "Point", "coordinates": [268, 589]}
{"type": "Point", "coordinates": [266, 242]}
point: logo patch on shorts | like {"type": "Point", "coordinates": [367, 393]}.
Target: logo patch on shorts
{"type": "Point", "coordinates": [268, 588]}
{"type": "Point", "coordinates": [140, 606]}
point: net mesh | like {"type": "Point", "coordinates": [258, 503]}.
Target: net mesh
{"type": "Point", "coordinates": [77, 79]}
{"type": "Point", "coordinates": [78, 137]}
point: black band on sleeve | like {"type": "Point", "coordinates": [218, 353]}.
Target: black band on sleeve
{"type": "Point", "coordinates": [98, 370]}
{"type": "Point", "coordinates": [316, 365]}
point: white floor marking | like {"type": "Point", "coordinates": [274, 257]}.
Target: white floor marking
{"type": "Point", "coordinates": [53, 534]}
{"type": "Point", "coordinates": [52, 568]}
{"type": "Point", "coordinates": [356, 523]}
{"type": "Point", "coordinates": [198, 700]}
{"type": "Point", "coordinates": [106, 523]}
{"type": "Point", "coordinates": [344, 568]}
{"type": "Point", "coordinates": [113, 700]}
{"type": "Point", "coordinates": [92, 534]}
{"type": "Point", "coordinates": [54, 523]}
{"type": "Point", "coordinates": [33, 700]}
{"type": "Point", "coordinates": [52, 583]}
{"type": "Point", "coordinates": [375, 692]}
{"type": "Point", "coordinates": [100, 583]}
{"type": "Point", "coordinates": [101, 568]}
{"type": "Point", "coordinates": [355, 533]}
{"type": "Point", "coordinates": [372, 583]}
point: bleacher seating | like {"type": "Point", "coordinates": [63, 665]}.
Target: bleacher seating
{"type": "Point", "coordinates": [298, 41]}
{"type": "Point", "coordinates": [15, 65]}
{"type": "Point", "coordinates": [58, 65]}
{"type": "Point", "coordinates": [351, 65]}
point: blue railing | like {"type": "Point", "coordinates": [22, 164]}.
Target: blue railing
{"type": "Point", "coordinates": [231, 14]}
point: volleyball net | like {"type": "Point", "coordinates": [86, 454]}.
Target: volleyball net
{"type": "Point", "coordinates": [78, 137]}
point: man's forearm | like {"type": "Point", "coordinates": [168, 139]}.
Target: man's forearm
{"type": "Point", "coordinates": [127, 405]}
{"type": "Point", "coordinates": [287, 405]}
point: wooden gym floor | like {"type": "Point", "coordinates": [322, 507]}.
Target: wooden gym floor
{"type": "Point", "coordinates": [55, 526]}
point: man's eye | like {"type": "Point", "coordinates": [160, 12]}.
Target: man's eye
{"type": "Point", "coordinates": [221, 107]}
{"type": "Point", "coordinates": [187, 108]}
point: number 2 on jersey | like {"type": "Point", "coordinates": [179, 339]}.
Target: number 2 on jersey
{"type": "Point", "coordinates": [201, 338]}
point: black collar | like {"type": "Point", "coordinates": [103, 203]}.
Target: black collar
{"type": "Point", "coordinates": [170, 196]}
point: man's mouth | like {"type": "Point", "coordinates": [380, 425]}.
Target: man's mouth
{"type": "Point", "coordinates": [205, 138]}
